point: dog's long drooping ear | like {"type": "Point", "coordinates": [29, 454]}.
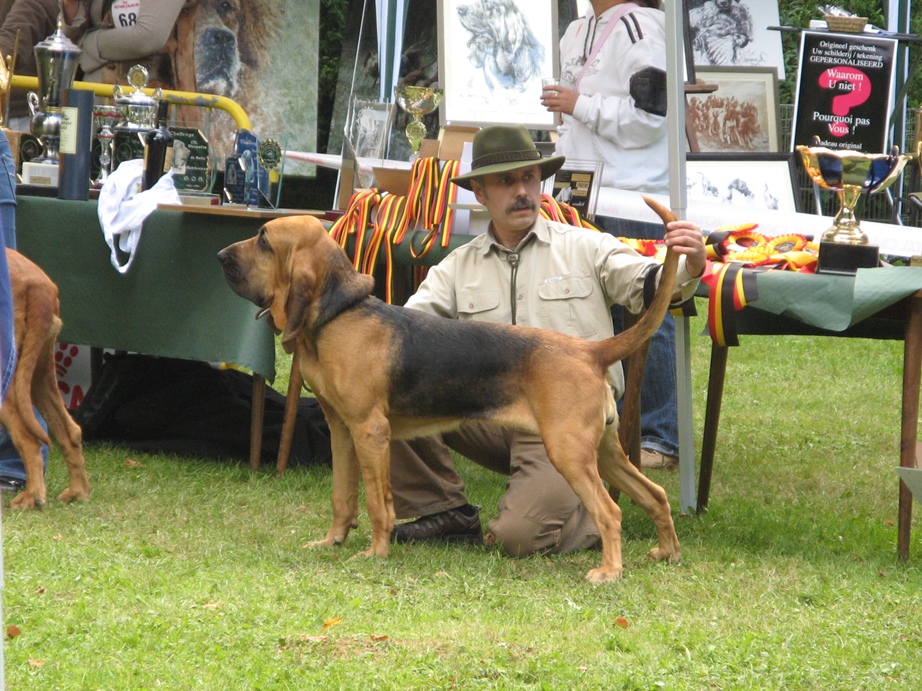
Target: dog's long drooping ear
{"type": "Point", "coordinates": [316, 297]}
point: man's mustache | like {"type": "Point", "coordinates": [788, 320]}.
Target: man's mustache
{"type": "Point", "coordinates": [521, 204]}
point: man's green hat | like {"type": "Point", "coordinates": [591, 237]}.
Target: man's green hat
{"type": "Point", "coordinates": [501, 148]}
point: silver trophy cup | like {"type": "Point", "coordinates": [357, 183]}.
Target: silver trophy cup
{"type": "Point", "coordinates": [56, 59]}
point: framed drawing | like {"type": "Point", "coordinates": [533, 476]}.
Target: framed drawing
{"type": "Point", "coordinates": [742, 115]}
{"type": "Point", "coordinates": [756, 181]}
{"type": "Point", "coordinates": [577, 184]}
{"type": "Point", "coordinates": [735, 33]}
{"type": "Point", "coordinates": [492, 56]}
{"type": "Point", "coordinates": [371, 127]}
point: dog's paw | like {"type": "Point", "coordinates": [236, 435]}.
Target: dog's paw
{"type": "Point", "coordinates": [603, 575]}
{"type": "Point", "coordinates": [325, 542]}
{"type": "Point", "coordinates": [370, 554]}
{"type": "Point", "coordinates": [26, 500]}
{"type": "Point", "coordinates": [69, 495]}
{"type": "Point", "coordinates": [659, 554]}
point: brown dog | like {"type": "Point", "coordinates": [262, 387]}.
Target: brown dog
{"type": "Point", "coordinates": [382, 372]}
{"type": "Point", "coordinates": [37, 323]}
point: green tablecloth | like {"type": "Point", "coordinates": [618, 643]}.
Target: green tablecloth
{"type": "Point", "coordinates": [835, 303]}
{"type": "Point", "coordinates": [791, 303]}
{"type": "Point", "coordinates": [172, 302]}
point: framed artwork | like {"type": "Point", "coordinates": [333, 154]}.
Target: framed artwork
{"type": "Point", "coordinates": [492, 56]}
{"type": "Point", "coordinates": [756, 181]}
{"type": "Point", "coordinates": [742, 115]}
{"type": "Point", "coordinates": [577, 184]}
{"type": "Point", "coordinates": [735, 33]}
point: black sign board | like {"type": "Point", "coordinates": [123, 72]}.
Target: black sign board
{"type": "Point", "coordinates": [844, 91]}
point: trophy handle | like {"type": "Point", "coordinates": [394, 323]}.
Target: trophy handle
{"type": "Point", "coordinates": [34, 105]}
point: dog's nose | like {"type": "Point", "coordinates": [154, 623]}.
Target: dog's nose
{"type": "Point", "coordinates": [224, 256]}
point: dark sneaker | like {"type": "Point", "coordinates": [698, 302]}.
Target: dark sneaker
{"type": "Point", "coordinates": [11, 484]}
{"type": "Point", "coordinates": [454, 525]}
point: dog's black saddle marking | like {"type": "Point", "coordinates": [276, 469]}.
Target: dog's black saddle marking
{"type": "Point", "coordinates": [445, 367]}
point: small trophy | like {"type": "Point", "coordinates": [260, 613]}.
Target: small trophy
{"type": "Point", "coordinates": [139, 111]}
{"type": "Point", "coordinates": [56, 58]}
{"type": "Point", "coordinates": [417, 101]}
{"type": "Point", "coordinates": [106, 118]}
{"type": "Point", "coordinates": [845, 248]}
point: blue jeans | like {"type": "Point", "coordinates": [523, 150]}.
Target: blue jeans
{"type": "Point", "coordinates": [8, 235]}
{"type": "Point", "coordinates": [659, 417]}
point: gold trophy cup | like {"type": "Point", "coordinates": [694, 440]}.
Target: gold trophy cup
{"type": "Point", "coordinates": [844, 247]}
{"type": "Point", "coordinates": [417, 101]}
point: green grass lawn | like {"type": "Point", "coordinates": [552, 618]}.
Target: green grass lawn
{"type": "Point", "coordinates": [187, 573]}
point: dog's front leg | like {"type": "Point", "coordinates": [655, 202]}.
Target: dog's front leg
{"type": "Point", "coordinates": [373, 444]}
{"type": "Point", "coordinates": [345, 483]}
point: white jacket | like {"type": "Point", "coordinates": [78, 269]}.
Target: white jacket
{"type": "Point", "coordinates": [606, 125]}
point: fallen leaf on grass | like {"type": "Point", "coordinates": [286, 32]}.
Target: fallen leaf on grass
{"type": "Point", "coordinates": [378, 639]}
{"type": "Point", "coordinates": [622, 622]}
{"type": "Point", "coordinates": [40, 591]}
{"type": "Point", "coordinates": [12, 631]}
{"type": "Point", "coordinates": [330, 623]}
{"type": "Point", "coordinates": [36, 663]}
{"type": "Point", "coordinates": [213, 605]}
{"type": "Point", "coordinates": [131, 463]}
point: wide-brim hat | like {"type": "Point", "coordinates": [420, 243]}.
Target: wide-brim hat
{"type": "Point", "coordinates": [501, 148]}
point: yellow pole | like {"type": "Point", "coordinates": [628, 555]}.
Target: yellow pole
{"type": "Point", "coordinates": [183, 98]}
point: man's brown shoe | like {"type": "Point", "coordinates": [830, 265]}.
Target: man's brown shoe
{"type": "Point", "coordinates": [654, 460]}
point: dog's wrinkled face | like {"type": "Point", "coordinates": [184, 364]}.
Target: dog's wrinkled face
{"type": "Point", "coordinates": [288, 269]}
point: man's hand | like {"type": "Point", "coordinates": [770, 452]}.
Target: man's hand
{"type": "Point", "coordinates": [685, 238]}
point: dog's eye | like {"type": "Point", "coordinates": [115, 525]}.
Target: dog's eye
{"type": "Point", "coordinates": [262, 242]}
{"type": "Point", "coordinates": [225, 8]}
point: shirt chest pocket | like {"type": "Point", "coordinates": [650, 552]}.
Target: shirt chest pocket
{"type": "Point", "coordinates": [566, 306]}
{"type": "Point", "coordinates": [475, 304]}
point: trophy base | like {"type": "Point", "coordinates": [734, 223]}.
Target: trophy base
{"type": "Point", "coordinates": [845, 260]}
{"type": "Point", "coordinates": [40, 173]}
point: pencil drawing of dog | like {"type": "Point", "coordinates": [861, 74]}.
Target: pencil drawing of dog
{"type": "Point", "coordinates": [36, 325]}
{"type": "Point", "coordinates": [382, 372]}
{"type": "Point", "coordinates": [502, 44]}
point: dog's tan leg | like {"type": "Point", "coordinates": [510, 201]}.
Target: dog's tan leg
{"type": "Point", "coordinates": [345, 482]}
{"type": "Point", "coordinates": [66, 432]}
{"type": "Point", "coordinates": [373, 445]}
{"type": "Point", "coordinates": [573, 451]}
{"type": "Point", "coordinates": [617, 469]}
{"type": "Point", "coordinates": [30, 451]}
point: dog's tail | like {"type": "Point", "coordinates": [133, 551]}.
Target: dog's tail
{"type": "Point", "coordinates": [618, 347]}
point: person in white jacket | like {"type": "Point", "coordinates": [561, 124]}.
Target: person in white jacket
{"type": "Point", "coordinates": [611, 98]}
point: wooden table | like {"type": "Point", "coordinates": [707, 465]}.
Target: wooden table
{"type": "Point", "coordinates": [883, 306]}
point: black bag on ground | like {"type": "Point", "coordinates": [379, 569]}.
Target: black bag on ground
{"type": "Point", "coordinates": [189, 408]}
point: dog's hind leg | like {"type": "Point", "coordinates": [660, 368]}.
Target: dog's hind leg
{"type": "Point", "coordinates": [345, 482]}
{"type": "Point", "coordinates": [617, 469]}
{"type": "Point", "coordinates": [572, 450]}
{"type": "Point", "coordinates": [29, 447]}
{"type": "Point", "coordinates": [47, 398]}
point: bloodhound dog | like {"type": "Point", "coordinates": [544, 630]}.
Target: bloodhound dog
{"type": "Point", "coordinates": [382, 372]}
{"type": "Point", "coordinates": [37, 322]}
